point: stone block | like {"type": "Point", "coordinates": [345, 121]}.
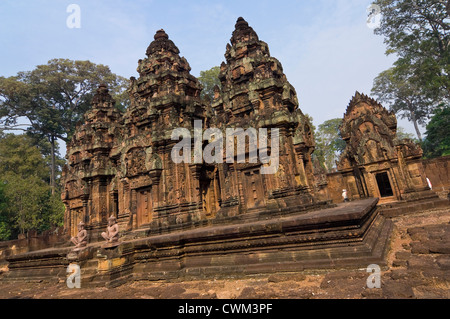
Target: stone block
{"type": "Point", "coordinates": [419, 248]}
{"type": "Point", "coordinates": [439, 247]}
{"type": "Point", "coordinates": [443, 262]}
{"type": "Point", "coordinates": [398, 289]}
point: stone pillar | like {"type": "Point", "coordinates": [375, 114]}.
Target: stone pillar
{"type": "Point", "coordinates": [217, 192]}
{"type": "Point", "coordinates": [155, 175]}
{"type": "Point", "coordinates": [67, 219]}
{"type": "Point", "coordinates": [301, 168]}
{"type": "Point", "coordinates": [360, 182]}
{"type": "Point", "coordinates": [86, 218]}
{"type": "Point", "coordinates": [309, 170]}
{"type": "Point", "coordinates": [112, 204]}
{"type": "Point", "coordinates": [133, 209]}
{"type": "Point", "coordinates": [403, 170]}
{"type": "Point", "coordinates": [195, 182]}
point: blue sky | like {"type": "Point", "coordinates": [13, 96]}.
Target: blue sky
{"type": "Point", "coordinates": [325, 46]}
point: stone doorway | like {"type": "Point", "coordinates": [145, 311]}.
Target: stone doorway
{"type": "Point", "coordinates": [144, 206]}
{"type": "Point", "coordinates": [253, 188]}
{"type": "Point", "coordinates": [384, 185]}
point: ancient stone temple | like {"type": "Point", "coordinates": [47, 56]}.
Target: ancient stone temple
{"type": "Point", "coordinates": [375, 162]}
{"type": "Point", "coordinates": [122, 164]}
{"type": "Point", "coordinates": [196, 218]}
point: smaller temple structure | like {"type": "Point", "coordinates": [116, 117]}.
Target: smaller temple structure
{"type": "Point", "coordinates": [375, 162]}
{"type": "Point", "coordinates": [90, 168]}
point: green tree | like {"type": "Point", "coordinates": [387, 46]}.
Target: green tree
{"type": "Point", "coordinates": [5, 219]}
{"type": "Point", "coordinates": [437, 141]}
{"type": "Point", "coordinates": [395, 88]}
{"type": "Point", "coordinates": [20, 157]}
{"type": "Point", "coordinates": [53, 98]}
{"type": "Point", "coordinates": [329, 143]}
{"type": "Point", "coordinates": [209, 79]}
{"type": "Point", "coordinates": [418, 32]}
{"type": "Point", "coordinates": [26, 200]}
{"type": "Point", "coordinates": [45, 148]}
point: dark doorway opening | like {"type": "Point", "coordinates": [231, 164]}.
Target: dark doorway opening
{"type": "Point", "coordinates": [116, 204]}
{"type": "Point", "coordinates": [384, 185]}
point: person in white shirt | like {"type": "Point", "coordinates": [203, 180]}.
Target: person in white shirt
{"type": "Point", "coordinates": [429, 183]}
{"type": "Point", "coordinates": [344, 195]}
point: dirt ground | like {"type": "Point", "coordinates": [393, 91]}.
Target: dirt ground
{"type": "Point", "coordinates": [418, 267]}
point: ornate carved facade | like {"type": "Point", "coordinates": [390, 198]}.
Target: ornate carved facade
{"type": "Point", "coordinates": [121, 165]}
{"type": "Point", "coordinates": [256, 94]}
{"type": "Point", "coordinates": [90, 170]}
{"type": "Point", "coordinates": [375, 162]}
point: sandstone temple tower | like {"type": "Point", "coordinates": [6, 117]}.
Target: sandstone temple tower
{"type": "Point", "coordinates": [121, 165]}
{"type": "Point", "coordinates": [256, 94]}
{"type": "Point", "coordinates": [90, 170]}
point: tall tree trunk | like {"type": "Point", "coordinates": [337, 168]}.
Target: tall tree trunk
{"type": "Point", "coordinates": [416, 126]}
{"type": "Point", "coordinates": [53, 168]}
{"type": "Point", "coordinates": [325, 165]}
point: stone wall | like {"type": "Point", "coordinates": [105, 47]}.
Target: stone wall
{"type": "Point", "coordinates": [352, 235]}
{"type": "Point", "coordinates": [31, 242]}
{"type": "Point", "coordinates": [438, 172]}
{"type": "Point", "coordinates": [336, 183]}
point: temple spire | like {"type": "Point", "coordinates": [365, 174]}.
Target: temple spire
{"type": "Point", "coordinates": [102, 98]}
{"type": "Point", "coordinates": [243, 32]}
{"type": "Point", "coordinates": [161, 43]}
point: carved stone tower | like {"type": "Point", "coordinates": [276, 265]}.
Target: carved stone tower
{"type": "Point", "coordinates": [256, 94]}
{"type": "Point", "coordinates": [157, 191]}
{"type": "Point", "coordinates": [89, 173]}
{"type": "Point", "coordinates": [376, 162]}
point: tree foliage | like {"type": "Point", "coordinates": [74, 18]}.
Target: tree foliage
{"type": "Point", "coordinates": [329, 143]}
{"type": "Point", "coordinates": [26, 200]}
{"type": "Point", "coordinates": [395, 88]}
{"type": "Point", "coordinates": [53, 98]}
{"type": "Point", "coordinates": [418, 32]}
{"type": "Point", "coordinates": [402, 134]}
{"type": "Point", "coordinates": [20, 157]}
{"type": "Point", "coordinates": [5, 218]}
{"type": "Point", "coordinates": [209, 79]}
{"type": "Point", "coordinates": [437, 141]}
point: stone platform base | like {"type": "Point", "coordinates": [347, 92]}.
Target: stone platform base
{"type": "Point", "coordinates": [413, 206]}
{"type": "Point", "coordinates": [351, 235]}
